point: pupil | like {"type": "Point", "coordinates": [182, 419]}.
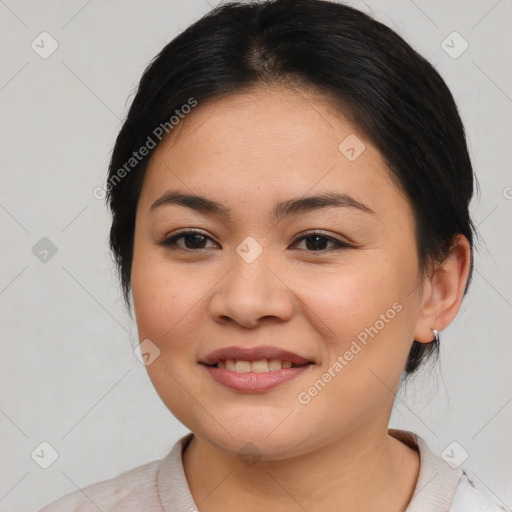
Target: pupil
{"type": "Point", "coordinates": [196, 238]}
{"type": "Point", "coordinates": [195, 241]}
{"type": "Point", "coordinates": [314, 245]}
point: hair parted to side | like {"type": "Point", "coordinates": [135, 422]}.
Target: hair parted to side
{"type": "Point", "coordinates": [396, 98]}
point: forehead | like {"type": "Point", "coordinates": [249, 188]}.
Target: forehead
{"type": "Point", "coordinates": [269, 143]}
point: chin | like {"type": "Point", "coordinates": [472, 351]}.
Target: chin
{"type": "Point", "coordinates": [255, 440]}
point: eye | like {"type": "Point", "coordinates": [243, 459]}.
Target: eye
{"type": "Point", "coordinates": [193, 239]}
{"type": "Point", "coordinates": [317, 241]}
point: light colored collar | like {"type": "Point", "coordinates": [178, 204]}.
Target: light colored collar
{"type": "Point", "coordinates": [435, 488]}
{"type": "Point", "coordinates": [437, 481]}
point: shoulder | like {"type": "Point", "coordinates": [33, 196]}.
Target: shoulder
{"type": "Point", "coordinates": [136, 487]}
{"type": "Point", "coordinates": [440, 486]}
{"type": "Point", "coordinates": [472, 497]}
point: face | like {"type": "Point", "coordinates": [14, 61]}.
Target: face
{"type": "Point", "coordinates": [337, 284]}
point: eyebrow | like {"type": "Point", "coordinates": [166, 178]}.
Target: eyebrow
{"type": "Point", "coordinates": [288, 208]}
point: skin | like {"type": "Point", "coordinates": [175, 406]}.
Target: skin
{"type": "Point", "coordinates": [250, 151]}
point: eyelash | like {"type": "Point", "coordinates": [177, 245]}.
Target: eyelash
{"type": "Point", "coordinates": [171, 242]}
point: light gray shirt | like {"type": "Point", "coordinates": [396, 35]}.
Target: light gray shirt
{"type": "Point", "coordinates": [161, 486]}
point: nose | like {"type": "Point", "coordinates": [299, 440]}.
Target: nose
{"type": "Point", "coordinates": [250, 294]}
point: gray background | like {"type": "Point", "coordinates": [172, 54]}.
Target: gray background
{"type": "Point", "coordinates": [68, 374]}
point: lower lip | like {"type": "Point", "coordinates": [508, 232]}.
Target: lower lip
{"type": "Point", "coordinates": [254, 382]}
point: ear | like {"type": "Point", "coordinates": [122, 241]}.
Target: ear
{"type": "Point", "coordinates": [443, 291]}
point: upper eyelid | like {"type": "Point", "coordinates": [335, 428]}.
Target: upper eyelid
{"type": "Point", "coordinates": [175, 235]}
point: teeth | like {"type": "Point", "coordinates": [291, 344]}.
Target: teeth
{"type": "Point", "coordinates": [260, 366]}
{"type": "Point", "coordinates": [264, 365]}
{"type": "Point", "coordinates": [274, 364]}
{"type": "Point", "coordinates": [242, 366]}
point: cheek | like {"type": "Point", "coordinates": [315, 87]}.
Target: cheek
{"type": "Point", "coordinates": [161, 298]}
{"type": "Point", "coordinates": [170, 305]}
{"type": "Point", "coordinates": [350, 299]}
{"type": "Point", "coordinates": [165, 301]}
{"type": "Point", "coordinates": [367, 314]}
{"type": "Point", "coordinates": [159, 292]}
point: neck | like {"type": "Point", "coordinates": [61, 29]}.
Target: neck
{"type": "Point", "coordinates": [366, 472]}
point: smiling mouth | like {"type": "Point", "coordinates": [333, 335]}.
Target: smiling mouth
{"type": "Point", "coordinates": [261, 366]}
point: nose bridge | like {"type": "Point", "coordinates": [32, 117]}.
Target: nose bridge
{"type": "Point", "coordinates": [251, 290]}
{"type": "Point", "coordinates": [251, 269]}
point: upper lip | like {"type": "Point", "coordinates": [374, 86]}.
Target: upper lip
{"type": "Point", "coordinates": [253, 354]}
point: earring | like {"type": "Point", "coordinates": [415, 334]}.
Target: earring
{"type": "Point", "coordinates": [436, 335]}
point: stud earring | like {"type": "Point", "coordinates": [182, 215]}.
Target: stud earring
{"type": "Point", "coordinates": [436, 335]}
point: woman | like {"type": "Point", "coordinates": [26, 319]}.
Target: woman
{"type": "Point", "coordinates": [290, 198]}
